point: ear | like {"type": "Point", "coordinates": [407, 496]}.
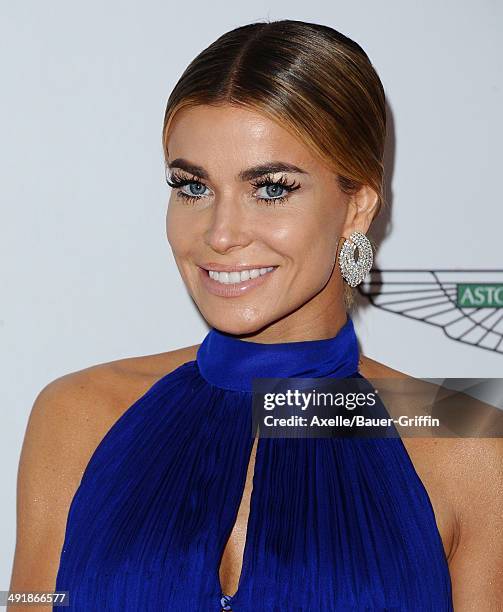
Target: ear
{"type": "Point", "coordinates": [362, 207]}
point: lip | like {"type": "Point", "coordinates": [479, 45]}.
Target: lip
{"type": "Point", "coordinates": [232, 289]}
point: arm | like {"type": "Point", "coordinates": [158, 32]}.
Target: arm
{"type": "Point", "coordinates": [61, 435]}
{"type": "Point", "coordinates": [476, 565]}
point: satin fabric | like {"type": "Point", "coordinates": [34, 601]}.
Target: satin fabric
{"type": "Point", "coordinates": [335, 524]}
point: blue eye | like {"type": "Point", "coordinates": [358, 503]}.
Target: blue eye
{"type": "Point", "coordinates": [276, 191]}
{"type": "Point", "coordinates": [274, 187]}
{"type": "Point", "coordinates": [273, 191]}
{"type": "Point", "coordinates": [195, 187]}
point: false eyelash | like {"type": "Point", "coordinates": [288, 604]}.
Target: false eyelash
{"type": "Point", "coordinates": [269, 179]}
{"type": "Point", "coordinates": [177, 181]}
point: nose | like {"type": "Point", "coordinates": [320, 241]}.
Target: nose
{"type": "Point", "coordinates": [227, 228]}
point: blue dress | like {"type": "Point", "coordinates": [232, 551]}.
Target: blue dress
{"type": "Point", "coordinates": [335, 524]}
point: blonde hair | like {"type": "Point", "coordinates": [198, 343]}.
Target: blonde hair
{"type": "Point", "coordinates": [315, 82]}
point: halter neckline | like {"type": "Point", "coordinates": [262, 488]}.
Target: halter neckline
{"type": "Point", "coordinates": [231, 363]}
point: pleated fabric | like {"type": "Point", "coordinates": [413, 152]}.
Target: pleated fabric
{"type": "Point", "coordinates": [335, 524]}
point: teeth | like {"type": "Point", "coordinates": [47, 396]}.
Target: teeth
{"type": "Point", "coordinates": [238, 277]}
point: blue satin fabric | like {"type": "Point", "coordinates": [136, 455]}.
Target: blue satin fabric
{"type": "Point", "coordinates": [335, 524]}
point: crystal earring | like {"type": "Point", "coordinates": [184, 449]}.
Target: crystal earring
{"type": "Point", "coordinates": [354, 271]}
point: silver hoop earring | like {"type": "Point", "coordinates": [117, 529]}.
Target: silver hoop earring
{"type": "Point", "coordinates": [354, 271]}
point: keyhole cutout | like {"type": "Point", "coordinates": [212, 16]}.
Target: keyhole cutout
{"type": "Point", "coordinates": [232, 559]}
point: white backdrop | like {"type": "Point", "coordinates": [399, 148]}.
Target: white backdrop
{"type": "Point", "coordinates": [87, 274]}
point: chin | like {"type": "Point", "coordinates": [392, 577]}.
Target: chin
{"type": "Point", "coordinates": [237, 325]}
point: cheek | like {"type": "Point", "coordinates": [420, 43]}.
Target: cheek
{"type": "Point", "coordinates": [308, 242]}
{"type": "Point", "coordinates": [178, 228]}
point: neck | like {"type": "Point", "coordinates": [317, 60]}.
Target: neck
{"type": "Point", "coordinates": [229, 362]}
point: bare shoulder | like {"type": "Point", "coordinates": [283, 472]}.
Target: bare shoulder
{"type": "Point", "coordinates": [474, 451]}
{"type": "Point", "coordinates": [69, 418]}
{"type": "Point", "coordinates": [464, 480]}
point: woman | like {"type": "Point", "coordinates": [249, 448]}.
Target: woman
{"type": "Point", "coordinates": [273, 139]}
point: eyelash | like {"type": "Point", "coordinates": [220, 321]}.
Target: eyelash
{"type": "Point", "coordinates": [177, 181]}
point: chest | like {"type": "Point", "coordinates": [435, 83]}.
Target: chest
{"type": "Point", "coordinates": [422, 459]}
{"type": "Point", "coordinates": [179, 513]}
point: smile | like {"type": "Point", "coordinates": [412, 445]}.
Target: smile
{"type": "Point", "coordinates": [238, 277]}
{"type": "Point", "coordinates": [235, 283]}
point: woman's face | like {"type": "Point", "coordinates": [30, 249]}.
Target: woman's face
{"type": "Point", "coordinates": [249, 197]}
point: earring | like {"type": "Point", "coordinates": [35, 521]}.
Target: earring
{"type": "Point", "coordinates": [354, 271]}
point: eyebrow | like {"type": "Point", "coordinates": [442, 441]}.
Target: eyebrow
{"type": "Point", "coordinates": [245, 175]}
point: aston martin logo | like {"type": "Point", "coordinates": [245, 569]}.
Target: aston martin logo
{"type": "Point", "coordinates": [466, 304]}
